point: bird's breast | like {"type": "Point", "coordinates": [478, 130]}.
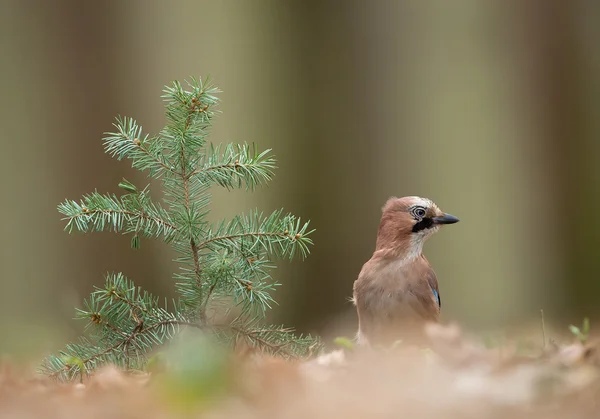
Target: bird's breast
{"type": "Point", "coordinates": [392, 288]}
{"type": "Point", "coordinates": [382, 284]}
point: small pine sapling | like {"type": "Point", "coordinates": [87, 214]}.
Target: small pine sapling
{"type": "Point", "coordinates": [224, 263]}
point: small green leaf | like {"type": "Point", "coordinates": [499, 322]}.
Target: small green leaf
{"type": "Point", "coordinates": [344, 342]}
{"type": "Point", "coordinates": [586, 326]}
{"type": "Point", "coordinates": [128, 186]}
{"type": "Point", "coordinates": [575, 330]}
{"type": "Point", "coordinates": [74, 361]}
{"type": "Point", "coordinates": [198, 376]}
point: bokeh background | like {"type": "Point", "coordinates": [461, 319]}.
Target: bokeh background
{"type": "Point", "coordinates": [490, 108]}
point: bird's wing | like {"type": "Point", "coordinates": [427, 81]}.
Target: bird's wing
{"type": "Point", "coordinates": [423, 286]}
{"type": "Point", "coordinates": [433, 283]}
{"type": "Point", "coordinates": [365, 297]}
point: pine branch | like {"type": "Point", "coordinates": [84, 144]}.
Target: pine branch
{"type": "Point", "coordinates": [129, 142]}
{"type": "Point", "coordinates": [126, 322]}
{"type": "Point", "coordinates": [239, 254]}
{"type": "Point", "coordinates": [132, 213]}
{"type": "Point", "coordinates": [189, 113]}
{"type": "Point", "coordinates": [235, 166]}
{"type": "Point", "coordinates": [276, 340]}
{"type": "Point", "coordinates": [277, 234]}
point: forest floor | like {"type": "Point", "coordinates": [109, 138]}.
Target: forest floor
{"type": "Point", "coordinates": [455, 378]}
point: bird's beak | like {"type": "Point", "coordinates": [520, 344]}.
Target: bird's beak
{"type": "Point", "coordinates": [445, 219]}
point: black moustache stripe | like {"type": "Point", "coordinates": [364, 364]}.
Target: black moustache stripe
{"type": "Point", "coordinates": [422, 225]}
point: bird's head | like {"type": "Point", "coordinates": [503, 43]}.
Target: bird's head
{"type": "Point", "coordinates": [407, 222]}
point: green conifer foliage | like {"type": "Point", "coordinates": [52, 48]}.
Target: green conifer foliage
{"type": "Point", "coordinates": [224, 269]}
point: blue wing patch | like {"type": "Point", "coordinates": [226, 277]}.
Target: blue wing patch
{"type": "Point", "coordinates": [437, 297]}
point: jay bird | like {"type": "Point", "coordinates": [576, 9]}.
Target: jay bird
{"type": "Point", "coordinates": [397, 292]}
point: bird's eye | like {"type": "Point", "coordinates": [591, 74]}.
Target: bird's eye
{"type": "Point", "coordinates": [418, 212]}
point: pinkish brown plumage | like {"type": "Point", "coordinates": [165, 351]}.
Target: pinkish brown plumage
{"type": "Point", "coordinates": [397, 290]}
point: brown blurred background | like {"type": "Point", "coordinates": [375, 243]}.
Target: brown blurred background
{"type": "Point", "coordinates": [487, 107]}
